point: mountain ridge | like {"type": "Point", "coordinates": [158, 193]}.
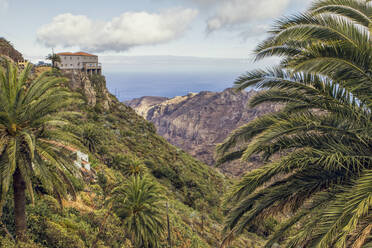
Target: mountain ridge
{"type": "Point", "coordinates": [197, 122]}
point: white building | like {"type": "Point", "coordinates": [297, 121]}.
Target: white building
{"type": "Point", "coordinates": [82, 160]}
{"type": "Point", "coordinates": [80, 61]}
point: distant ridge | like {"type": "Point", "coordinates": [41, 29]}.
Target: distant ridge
{"type": "Point", "coordinates": [197, 122]}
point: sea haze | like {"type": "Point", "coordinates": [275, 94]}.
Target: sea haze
{"type": "Point", "coordinates": [131, 77]}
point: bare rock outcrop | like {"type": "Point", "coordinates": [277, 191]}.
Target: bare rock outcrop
{"type": "Point", "coordinates": [144, 104]}
{"type": "Point", "coordinates": [93, 87]}
{"type": "Point", "coordinates": [197, 122]}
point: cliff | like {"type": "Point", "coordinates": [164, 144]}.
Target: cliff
{"type": "Point", "coordinates": [198, 122]}
{"type": "Point", "coordinates": [92, 87]}
{"type": "Point", "coordinates": [144, 104]}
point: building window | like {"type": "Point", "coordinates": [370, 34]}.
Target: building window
{"type": "Point", "coordinates": [70, 57]}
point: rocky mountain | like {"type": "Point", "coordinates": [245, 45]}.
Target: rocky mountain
{"type": "Point", "coordinates": [144, 104]}
{"type": "Point", "coordinates": [7, 49]}
{"type": "Point", "coordinates": [198, 122]}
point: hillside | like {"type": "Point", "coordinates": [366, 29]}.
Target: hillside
{"type": "Point", "coordinates": [7, 49]}
{"type": "Point", "coordinates": [119, 138]}
{"type": "Point", "coordinates": [198, 122]}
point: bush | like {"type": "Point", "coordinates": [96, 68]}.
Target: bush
{"type": "Point", "coordinates": [77, 183]}
{"type": "Point", "coordinates": [51, 204]}
{"type": "Point", "coordinates": [58, 237]}
{"type": "Point", "coordinates": [8, 243]}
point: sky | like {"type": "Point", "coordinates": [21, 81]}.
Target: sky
{"type": "Point", "coordinates": [184, 36]}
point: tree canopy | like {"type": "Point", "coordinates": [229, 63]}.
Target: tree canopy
{"type": "Point", "coordinates": [32, 139]}
{"type": "Point", "coordinates": [322, 133]}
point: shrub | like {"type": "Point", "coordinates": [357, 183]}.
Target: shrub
{"type": "Point", "coordinates": [58, 237]}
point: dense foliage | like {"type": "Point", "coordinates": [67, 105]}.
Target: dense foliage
{"type": "Point", "coordinates": [140, 203]}
{"type": "Point", "coordinates": [32, 143]}
{"type": "Point", "coordinates": [54, 58]}
{"type": "Point", "coordinates": [322, 178]}
{"type": "Point", "coordinates": [120, 145]}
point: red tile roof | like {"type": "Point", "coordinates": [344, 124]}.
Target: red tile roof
{"type": "Point", "coordinates": [77, 54]}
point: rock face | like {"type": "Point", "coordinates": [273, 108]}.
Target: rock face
{"type": "Point", "coordinates": [198, 122]}
{"type": "Point", "coordinates": [7, 49]}
{"type": "Point", "coordinates": [93, 87]}
{"type": "Point", "coordinates": [144, 104]}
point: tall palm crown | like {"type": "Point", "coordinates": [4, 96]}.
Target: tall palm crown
{"type": "Point", "coordinates": [32, 139]}
{"type": "Point", "coordinates": [140, 204]}
{"type": "Point", "coordinates": [323, 132]}
{"type": "Point", "coordinates": [54, 58]}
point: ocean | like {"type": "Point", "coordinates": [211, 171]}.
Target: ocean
{"type": "Point", "coordinates": [129, 85]}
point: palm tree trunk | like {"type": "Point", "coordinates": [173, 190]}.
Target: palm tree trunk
{"type": "Point", "coordinates": [101, 228]}
{"type": "Point", "coordinates": [169, 231]}
{"type": "Point", "coordinates": [19, 187]}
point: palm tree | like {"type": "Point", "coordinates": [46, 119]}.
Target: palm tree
{"type": "Point", "coordinates": [31, 138]}
{"type": "Point", "coordinates": [322, 133]}
{"type": "Point", "coordinates": [54, 58]}
{"type": "Point", "coordinates": [91, 136]}
{"type": "Point", "coordinates": [133, 168]}
{"type": "Point", "coordinates": [139, 202]}
{"type": "Point", "coordinates": [129, 166]}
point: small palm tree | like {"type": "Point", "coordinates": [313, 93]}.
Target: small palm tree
{"type": "Point", "coordinates": [322, 134]}
{"type": "Point", "coordinates": [139, 202]}
{"type": "Point", "coordinates": [134, 168]}
{"type": "Point", "coordinates": [54, 58]}
{"type": "Point", "coordinates": [129, 166]}
{"type": "Point", "coordinates": [91, 136]}
{"type": "Point", "coordinates": [31, 138]}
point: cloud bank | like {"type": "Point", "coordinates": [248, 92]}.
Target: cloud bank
{"type": "Point", "coordinates": [235, 12]}
{"type": "Point", "coordinates": [231, 14]}
{"type": "Point", "coordinates": [119, 34]}
{"type": "Point", "coordinates": [204, 2]}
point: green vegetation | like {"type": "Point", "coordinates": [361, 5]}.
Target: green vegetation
{"type": "Point", "coordinates": [32, 143]}
{"type": "Point", "coordinates": [121, 146]}
{"type": "Point", "coordinates": [140, 203]}
{"type": "Point", "coordinates": [322, 134]}
{"type": "Point", "coordinates": [54, 58]}
{"type": "Point", "coordinates": [90, 136]}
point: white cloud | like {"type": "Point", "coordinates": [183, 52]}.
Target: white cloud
{"type": "Point", "coordinates": [236, 12]}
{"type": "Point", "coordinates": [119, 34]}
{"type": "Point", "coordinates": [231, 14]}
{"type": "Point", "coordinates": [204, 2]}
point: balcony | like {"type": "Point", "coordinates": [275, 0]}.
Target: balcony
{"type": "Point", "coordinates": [92, 68]}
{"type": "Point", "coordinates": [88, 66]}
